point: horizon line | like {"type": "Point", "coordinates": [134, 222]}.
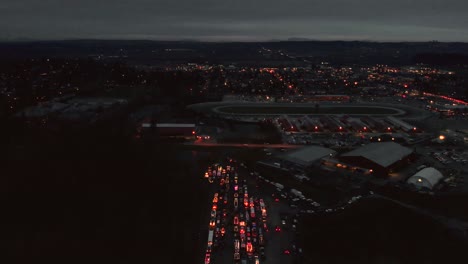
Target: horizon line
{"type": "Point", "coordinates": [292, 39]}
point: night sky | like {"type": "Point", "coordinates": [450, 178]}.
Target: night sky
{"type": "Point", "coordinates": [236, 20]}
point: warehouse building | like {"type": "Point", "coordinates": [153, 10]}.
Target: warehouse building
{"type": "Point", "coordinates": [171, 129]}
{"type": "Point", "coordinates": [426, 178]}
{"type": "Point", "coordinates": [305, 157]}
{"type": "Point", "coordinates": [380, 158]}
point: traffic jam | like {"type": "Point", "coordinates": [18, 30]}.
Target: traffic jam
{"type": "Point", "coordinates": [238, 220]}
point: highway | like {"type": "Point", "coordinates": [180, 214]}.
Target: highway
{"type": "Point", "coordinates": [232, 219]}
{"type": "Point", "coordinates": [277, 242]}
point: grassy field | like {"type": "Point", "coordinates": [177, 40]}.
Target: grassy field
{"type": "Point", "coordinates": [307, 110]}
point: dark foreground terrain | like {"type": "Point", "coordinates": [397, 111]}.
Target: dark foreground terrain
{"type": "Point", "coordinates": [378, 231]}
{"type": "Point", "coordinates": [95, 196]}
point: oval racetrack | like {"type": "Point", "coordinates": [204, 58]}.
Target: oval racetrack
{"type": "Point", "coordinates": [305, 109]}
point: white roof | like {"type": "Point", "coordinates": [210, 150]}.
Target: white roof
{"type": "Point", "coordinates": [427, 177]}
{"type": "Point", "coordinates": [307, 155]}
{"type": "Point", "coordinates": [383, 153]}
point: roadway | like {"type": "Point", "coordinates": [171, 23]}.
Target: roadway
{"type": "Point", "coordinates": [276, 242]}
{"type": "Point", "coordinates": [240, 145]}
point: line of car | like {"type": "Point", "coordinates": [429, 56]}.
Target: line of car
{"type": "Point", "coordinates": [245, 214]}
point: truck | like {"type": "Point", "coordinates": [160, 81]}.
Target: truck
{"type": "Point", "coordinates": [262, 203]}
{"type": "Point", "coordinates": [278, 185]}
{"type": "Point", "coordinates": [296, 192]}
{"type": "Point", "coordinates": [236, 245]}
{"type": "Point", "coordinates": [252, 212]}
{"type": "Point", "coordinates": [210, 238]}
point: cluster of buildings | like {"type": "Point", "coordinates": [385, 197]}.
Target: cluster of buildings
{"type": "Point", "coordinates": [304, 84]}
{"type": "Point", "coordinates": [373, 160]}
{"type": "Point", "coordinates": [445, 105]}
{"type": "Point", "coordinates": [378, 159]}
{"type": "Point", "coordinates": [168, 130]}
{"type": "Point", "coordinates": [345, 123]}
{"type": "Point", "coordinates": [73, 109]}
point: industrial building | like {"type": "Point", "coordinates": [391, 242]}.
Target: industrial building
{"type": "Point", "coordinates": [314, 124]}
{"type": "Point", "coordinates": [380, 158]}
{"type": "Point", "coordinates": [69, 108]}
{"type": "Point", "coordinates": [373, 124]}
{"type": "Point", "coordinates": [426, 178]}
{"type": "Point", "coordinates": [171, 129]}
{"type": "Point", "coordinates": [399, 124]}
{"type": "Point", "coordinates": [331, 124]}
{"type": "Point", "coordinates": [305, 157]}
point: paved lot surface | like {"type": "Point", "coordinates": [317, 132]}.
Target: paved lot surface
{"type": "Point", "coordinates": [276, 242]}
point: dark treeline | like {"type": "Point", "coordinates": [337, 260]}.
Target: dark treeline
{"type": "Point", "coordinates": [442, 59]}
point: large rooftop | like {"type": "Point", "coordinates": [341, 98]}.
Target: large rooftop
{"type": "Point", "coordinates": [383, 153]}
{"type": "Point", "coordinates": [427, 177]}
{"type": "Point", "coordinates": [307, 155]}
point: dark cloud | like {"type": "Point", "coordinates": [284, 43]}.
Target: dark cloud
{"type": "Point", "coordinates": [385, 20]}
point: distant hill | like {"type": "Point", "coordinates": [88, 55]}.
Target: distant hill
{"type": "Point", "coordinates": [361, 52]}
{"type": "Point", "coordinates": [299, 39]}
{"type": "Point", "coordinates": [302, 49]}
